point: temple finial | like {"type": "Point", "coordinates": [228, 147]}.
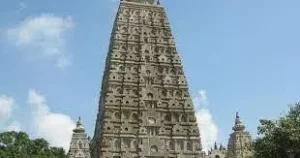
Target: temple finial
{"type": "Point", "coordinates": [79, 125]}
{"type": "Point", "coordinates": [238, 125]}
{"type": "Point", "coordinates": [158, 2]}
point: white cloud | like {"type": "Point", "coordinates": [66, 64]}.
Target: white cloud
{"type": "Point", "coordinates": [14, 126]}
{"type": "Point", "coordinates": [6, 107]}
{"type": "Point", "coordinates": [201, 100]}
{"type": "Point", "coordinates": [54, 127]}
{"type": "Point", "coordinates": [43, 37]}
{"type": "Point", "coordinates": [208, 128]}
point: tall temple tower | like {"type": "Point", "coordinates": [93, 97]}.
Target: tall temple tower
{"type": "Point", "coordinates": [145, 110]}
{"type": "Point", "coordinates": [240, 142]}
{"type": "Point", "coordinates": [79, 147]}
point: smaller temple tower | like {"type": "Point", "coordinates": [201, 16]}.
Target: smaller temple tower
{"type": "Point", "coordinates": [79, 147]}
{"type": "Point", "coordinates": [240, 142]}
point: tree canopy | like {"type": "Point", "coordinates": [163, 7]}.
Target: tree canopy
{"type": "Point", "coordinates": [19, 145]}
{"type": "Point", "coordinates": [279, 137]}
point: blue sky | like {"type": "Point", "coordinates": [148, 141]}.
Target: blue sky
{"type": "Point", "coordinates": [243, 54]}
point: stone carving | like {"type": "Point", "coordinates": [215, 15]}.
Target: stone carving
{"type": "Point", "coordinates": [79, 147]}
{"type": "Point", "coordinates": [145, 109]}
{"type": "Point", "coordinates": [239, 144]}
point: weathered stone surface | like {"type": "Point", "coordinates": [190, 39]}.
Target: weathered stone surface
{"type": "Point", "coordinates": [79, 147]}
{"type": "Point", "coordinates": [239, 144]}
{"type": "Point", "coordinates": [145, 109]}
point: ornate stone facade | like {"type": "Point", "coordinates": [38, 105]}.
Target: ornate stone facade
{"type": "Point", "coordinates": [240, 142]}
{"type": "Point", "coordinates": [79, 147]}
{"type": "Point", "coordinates": [145, 109]}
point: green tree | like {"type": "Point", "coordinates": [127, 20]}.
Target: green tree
{"type": "Point", "coordinates": [215, 146]}
{"type": "Point", "coordinates": [19, 145]}
{"type": "Point", "coordinates": [279, 137]}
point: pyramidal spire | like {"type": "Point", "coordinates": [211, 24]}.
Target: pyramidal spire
{"type": "Point", "coordinates": [240, 142]}
{"type": "Point", "coordinates": [79, 146]}
{"type": "Point", "coordinates": [145, 109]}
{"type": "Point", "coordinates": [238, 125]}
